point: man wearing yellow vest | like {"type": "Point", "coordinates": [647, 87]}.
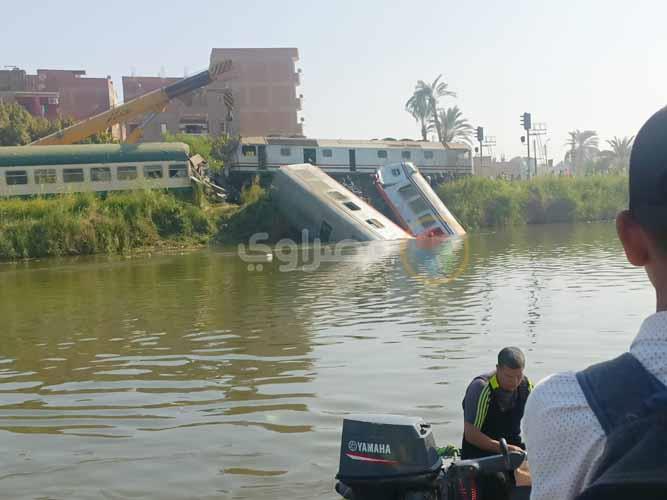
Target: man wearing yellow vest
{"type": "Point", "coordinates": [493, 407]}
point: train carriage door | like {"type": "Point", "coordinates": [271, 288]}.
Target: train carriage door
{"type": "Point", "coordinates": [353, 160]}
{"type": "Point", "coordinates": [310, 156]}
{"type": "Point", "coordinates": [261, 156]}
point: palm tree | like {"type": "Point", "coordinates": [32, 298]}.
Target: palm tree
{"type": "Point", "coordinates": [619, 155]}
{"type": "Point", "coordinates": [423, 104]}
{"type": "Point", "coordinates": [453, 126]}
{"type": "Point", "coordinates": [583, 147]}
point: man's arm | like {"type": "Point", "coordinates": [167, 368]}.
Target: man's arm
{"type": "Point", "coordinates": [476, 437]}
{"type": "Point", "coordinates": [563, 438]}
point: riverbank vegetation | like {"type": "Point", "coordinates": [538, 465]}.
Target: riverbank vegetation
{"type": "Point", "coordinates": [481, 202]}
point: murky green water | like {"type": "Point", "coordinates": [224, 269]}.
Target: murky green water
{"type": "Point", "coordinates": [190, 376]}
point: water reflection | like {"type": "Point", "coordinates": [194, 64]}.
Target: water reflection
{"type": "Point", "coordinates": [189, 376]}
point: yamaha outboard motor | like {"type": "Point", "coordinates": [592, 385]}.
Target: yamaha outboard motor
{"type": "Point", "coordinates": [390, 458]}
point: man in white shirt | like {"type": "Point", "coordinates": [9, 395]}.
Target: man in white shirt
{"type": "Point", "coordinates": [563, 436]}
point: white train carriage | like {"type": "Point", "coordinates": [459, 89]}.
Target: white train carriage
{"type": "Point", "coordinates": [313, 201]}
{"type": "Point", "coordinates": [47, 170]}
{"type": "Point", "coordinates": [256, 154]}
{"type": "Point", "coordinates": [419, 210]}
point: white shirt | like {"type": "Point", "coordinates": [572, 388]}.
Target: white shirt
{"type": "Point", "coordinates": [563, 437]}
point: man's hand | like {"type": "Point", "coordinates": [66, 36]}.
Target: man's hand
{"type": "Point", "coordinates": [512, 447]}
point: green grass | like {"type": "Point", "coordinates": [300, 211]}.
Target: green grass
{"type": "Point", "coordinates": [481, 202]}
{"type": "Point", "coordinates": [84, 223]}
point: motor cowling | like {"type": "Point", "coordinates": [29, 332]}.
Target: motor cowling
{"type": "Point", "coordinates": [389, 457]}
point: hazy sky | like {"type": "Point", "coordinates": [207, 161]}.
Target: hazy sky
{"type": "Point", "coordinates": [597, 64]}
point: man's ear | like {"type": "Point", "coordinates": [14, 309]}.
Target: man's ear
{"type": "Point", "coordinates": [634, 239]}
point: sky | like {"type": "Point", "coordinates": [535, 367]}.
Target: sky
{"type": "Point", "coordinates": [586, 64]}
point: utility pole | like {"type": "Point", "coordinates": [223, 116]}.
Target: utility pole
{"type": "Point", "coordinates": [535, 153]}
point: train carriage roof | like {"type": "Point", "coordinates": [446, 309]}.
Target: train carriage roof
{"type": "Point", "coordinates": [92, 153]}
{"type": "Point", "coordinates": [342, 143]}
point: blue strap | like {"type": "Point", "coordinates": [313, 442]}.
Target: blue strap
{"type": "Point", "coordinates": [617, 388]}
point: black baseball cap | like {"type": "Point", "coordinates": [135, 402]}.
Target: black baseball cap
{"type": "Point", "coordinates": [648, 173]}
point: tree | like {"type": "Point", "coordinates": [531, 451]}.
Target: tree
{"type": "Point", "coordinates": [583, 147]}
{"type": "Point", "coordinates": [423, 104]}
{"type": "Point", "coordinates": [619, 154]}
{"type": "Point", "coordinates": [453, 127]}
{"type": "Point", "coordinates": [18, 127]}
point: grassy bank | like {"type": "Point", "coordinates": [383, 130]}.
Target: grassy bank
{"type": "Point", "coordinates": [480, 202]}
{"type": "Point", "coordinates": [84, 223]}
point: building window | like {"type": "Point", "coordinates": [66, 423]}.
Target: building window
{"type": "Point", "coordinates": [285, 152]}
{"type": "Point", "coordinates": [16, 177]}
{"type": "Point", "coordinates": [428, 155]}
{"type": "Point", "coordinates": [73, 175]}
{"type": "Point", "coordinates": [375, 223]}
{"type": "Point", "coordinates": [250, 151]}
{"type": "Point", "coordinates": [382, 154]}
{"type": "Point", "coordinates": [178, 171]}
{"type": "Point", "coordinates": [126, 173]}
{"type": "Point", "coordinates": [327, 153]}
{"type": "Point", "coordinates": [45, 176]}
{"type": "Point", "coordinates": [153, 172]}
{"type": "Point", "coordinates": [163, 128]}
{"type": "Point", "coordinates": [100, 174]}
{"type": "Point", "coordinates": [405, 155]}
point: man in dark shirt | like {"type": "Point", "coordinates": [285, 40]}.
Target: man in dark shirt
{"type": "Point", "coordinates": [492, 409]}
{"type": "Point", "coordinates": [493, 406]}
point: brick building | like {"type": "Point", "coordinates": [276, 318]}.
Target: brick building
{"type": "Point", "coordinates": [57, 93]}
{"type": "Point", "coordinates": [263, 84]}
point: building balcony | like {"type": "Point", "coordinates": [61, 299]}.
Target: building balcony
{"type": "Point", "coordinates": [298, 103]}
{"type": "Point", "coordinates": [297, 78]}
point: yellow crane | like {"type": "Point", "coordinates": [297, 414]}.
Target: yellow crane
{"type": "Point", "coordinates": [149, 103]}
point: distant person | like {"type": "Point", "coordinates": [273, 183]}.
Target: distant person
{"type": "Point", "coordinates": [576, 423]}
{"type": "Point", "coordinates": [492, 409]}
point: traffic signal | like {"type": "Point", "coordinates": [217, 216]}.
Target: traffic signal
{"type": "Point", "coordinates": [480, 134]}
{"type": "Point", "coordinates": [526, 121]}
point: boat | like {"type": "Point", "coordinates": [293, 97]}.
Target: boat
{"type": "Point", "coordinates": [414, 204]}
{"type": "Point", "coordinates": [315, 202]}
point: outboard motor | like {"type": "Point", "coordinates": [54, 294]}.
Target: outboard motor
{"type": "Point", "coordinates": [390, 458]}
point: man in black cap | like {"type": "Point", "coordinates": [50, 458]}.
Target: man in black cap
{"type": "Point", "coordinates": [570, 415]}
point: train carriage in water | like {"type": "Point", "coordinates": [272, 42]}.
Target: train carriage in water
{"type": "Point", "coordinates": [46, 170]}
{"type": "Point", "coordinates": [335, 157]}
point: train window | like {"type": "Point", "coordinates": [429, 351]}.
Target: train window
{"type": "Point", "coordinates": [418, 205]}
{"type": "Point", "coordinates": [396, 172]}
{"type": "Point", "coordinates": [337, 196]}
{"type": "Point", "coordinates": [428, 155]}
{"type": "Point", "coordinates": [126, 173]}
{"type": "Point", "coordinates": [325, 232]}
{"type": "Point", "coordinates": [16, 177]}
{"type": "Point", "coordinates": [178, 171]}
{"type": "Point", "coordinates": [327, 153]}
{"type": "Point", "coordinates": [405, 155]}
{"type": "Point", "coordinates": [153, 171]}
{"type": "Point", "coordinates": [249, 151]}
{"type": "Point", "coordinates": [427, 221]}
{"type": "Point", "coordinates": [375, 223]}
{"type": "Point", "coordinates": [45, 176]}
{"type": "Point", "coordinates": [285, 152]}
{"type": "Point", "coordinates": [100, 174]}
{"type": "Point", "coordinates": [73, 175]}
{"type": "Point", "coordinates": [382, 153]}
{"type": "Point", "coordinates": [351, 205]}
{"type": "Point", "coordinates": [407, 191]}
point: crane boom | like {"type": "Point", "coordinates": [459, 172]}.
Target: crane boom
{"type": "Point", "coordinates": [151, 102]}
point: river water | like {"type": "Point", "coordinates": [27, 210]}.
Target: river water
{"type": "Point", "coordinates": [202, 376]}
